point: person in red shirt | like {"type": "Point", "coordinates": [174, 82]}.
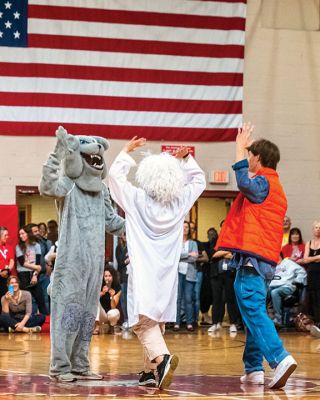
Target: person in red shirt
{"type": "Point", "coordinates": [295, 247]}
{"type": "Point", "coordinates": [6, 260]}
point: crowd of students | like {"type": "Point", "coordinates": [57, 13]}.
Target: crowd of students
{"type": "Point", "coordinates": [206, 281]}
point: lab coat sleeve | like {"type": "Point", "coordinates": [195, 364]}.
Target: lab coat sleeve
{"type": "Point", "coordinates": [122, 191]}
{"type": "Point", "coordinates": [196, 182]}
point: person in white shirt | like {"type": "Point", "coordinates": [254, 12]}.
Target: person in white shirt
{"type": "Point", "coordinates": [288, 274]}
{"type": "Point", "coordinates": [155, 213]}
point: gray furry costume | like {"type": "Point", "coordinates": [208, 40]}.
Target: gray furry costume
{"type": "Point", "coordinates": [73, 175]}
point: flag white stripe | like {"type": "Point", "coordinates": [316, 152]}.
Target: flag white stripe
{"type": "Point", "coordinates": [121, 60]}
{"type": "Point", "coordinates": [135, 32]}
{"type": "Point", "coordinates": [106, 117]}
{"type": "Point", "coordinates": [219, 9]}
{"type": "Point", "coordinates": [122, 89]}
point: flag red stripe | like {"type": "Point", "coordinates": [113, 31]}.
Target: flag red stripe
{"type": "Point", "coordinates": [120, 132]}
{"type": "Point", "coordinates": [119, 103]}
{"type": "Point", "coordinates": [135, 46]}
{"type": "Point", "coordinates": [121, 74]}
{"type": "Point", "coordinates": [135, 17]}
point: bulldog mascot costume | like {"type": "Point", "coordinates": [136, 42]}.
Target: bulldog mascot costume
{"type": "Point", "coordinates": [73, 175]}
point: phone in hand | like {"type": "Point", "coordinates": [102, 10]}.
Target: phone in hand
{"type": "Point", "coordinates": [11, 290]}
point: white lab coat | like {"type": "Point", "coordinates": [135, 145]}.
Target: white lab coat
{"type": "Point", "coordinates": [154, 238]}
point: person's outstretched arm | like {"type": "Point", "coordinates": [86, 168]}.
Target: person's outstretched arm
{"type": "Point", "coordinates": [119, 186]}
{"type": "Point", "coordinates": [255, 189]}
{"type": "Point", "coordinates": [52, 184]}
{"type": "Point", "coordinates": [196, 181]}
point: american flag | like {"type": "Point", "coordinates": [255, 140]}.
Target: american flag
{"type": "Point", "coordinates": [163, 69]}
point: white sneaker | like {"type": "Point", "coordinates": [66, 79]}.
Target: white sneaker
{"type": "Point", "coordinates": [282, 372]}
{"type": "Point", "coordinates": [233, 328]}
{"type": "Point", "coordinates": [212, 328]}
{"type": "Point", "coordinates": [125, 325]}
{"type": "Point", "coordinates": [315, 331]}
{"type": "Point", "coordinates": [254, 378]}
{"type": "Point", "coordinates": [219, 326]}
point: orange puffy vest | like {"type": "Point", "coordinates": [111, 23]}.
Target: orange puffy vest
{"type": "Point", "coordinates": [256, 229]}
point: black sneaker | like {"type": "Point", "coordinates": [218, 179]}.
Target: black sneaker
{"type": "Point", "coordinates": [166, 369]}
{"type": "Point", "coordinates": [147, 379]}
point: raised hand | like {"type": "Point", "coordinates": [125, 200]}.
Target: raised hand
{"type": "Point", "coordinates": [134, 143]}
{"type": "Point", "coordinates": [243, 140]}
{"type": "Point", "coordinates": [66, 144]}
{"type": "Point", "coordinates": [182, 152]}
{"type": "Point", "coordinates": [244, 136]}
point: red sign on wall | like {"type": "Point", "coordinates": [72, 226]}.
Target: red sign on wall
{"type": "Point", "coordinates": [171, 149]}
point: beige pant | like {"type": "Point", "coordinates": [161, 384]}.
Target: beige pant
{"type": "Point", "coordinates": [111, 317]}
{"type": "Point", "coordinates": [150, 333]}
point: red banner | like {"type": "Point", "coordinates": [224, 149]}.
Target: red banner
{"type": "Point", "coordinates": [9, 218]}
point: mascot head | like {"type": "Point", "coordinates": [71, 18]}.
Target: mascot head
{"type": "Point", "coordinates": [83, 161]}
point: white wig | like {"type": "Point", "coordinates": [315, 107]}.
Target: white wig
{"type": "Point", "coordinates": [161, 177]}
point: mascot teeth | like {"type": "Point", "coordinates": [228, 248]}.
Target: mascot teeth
{"type": "Point", "coordinates": [94, 160]}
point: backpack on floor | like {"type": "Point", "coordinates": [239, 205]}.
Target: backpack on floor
{"type": "Point", "coordinates": [303, 323]}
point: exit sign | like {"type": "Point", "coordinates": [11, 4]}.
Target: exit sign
{"type": "Point", "coordinates": [171, 149]}
{"type": "Point", "coordinates": [219, 176]}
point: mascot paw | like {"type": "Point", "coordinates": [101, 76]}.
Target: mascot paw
{"type": "Point", "coordinates": [61, 134]}
{"type": "Point", "coordinates": [66, 143]}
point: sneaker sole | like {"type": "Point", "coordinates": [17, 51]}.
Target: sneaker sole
{"type": "Point", "coordinates": [88, 378]}
{"type": "Point", "coordinates": [246, 381]}
{"type": "Point", "coordinates": [57, 379]}
{"type": "Point", "coordinates": [283, 379]}
{"type": "Point", "coordinates": [150, 384]}
{"type": "Point", "coordinates": [167, 378]}
{"type": "Point", "coordinates": [252, 383]}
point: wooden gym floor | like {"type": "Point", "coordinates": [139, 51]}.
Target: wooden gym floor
{"type": "Point", "coordinates": [210, 367]}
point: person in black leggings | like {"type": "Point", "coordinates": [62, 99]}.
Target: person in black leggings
{"type": "Point", "coordinates": [312, 259]}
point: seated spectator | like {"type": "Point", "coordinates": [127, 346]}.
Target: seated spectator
{"type": "Point", "coordinates": [288, 274]}
{"type": "Point", "coordinates": [294, 250]}
{"type": "Point", "coordinates": [28, 253]}
{"type": "Point", "coordinates": [108, 312]}
{"type": "Point", "coordinates": [16, 313]}
{"type": "Point", "coordinates": [312, 260]}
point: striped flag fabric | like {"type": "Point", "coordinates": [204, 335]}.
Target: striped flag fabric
{"type": "Point", "coordinates": [162, 69]}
